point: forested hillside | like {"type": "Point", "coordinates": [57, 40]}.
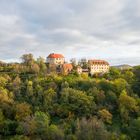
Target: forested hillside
{"type": "Point", "coordinates": [35, 105]}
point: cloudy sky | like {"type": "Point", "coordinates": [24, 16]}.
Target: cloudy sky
{"type": "Point", "coordinates": [99, 29]}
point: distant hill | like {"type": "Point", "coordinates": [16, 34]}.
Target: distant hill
{"type": "Point", "coordinates": [123, 67]}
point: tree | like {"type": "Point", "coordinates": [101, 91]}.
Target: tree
{"type": "Point", "coordinates": [9, 127]}
{"type": "Point", "coordinates": [49, 97]}
{"type": "Point", "coordinates": [27, 59]}
{"type": "Point", "coordinates": [19, 137]}
{"type": "Point", "coordinates": [100, 98]}
{"type": "Point", "coordinates": [16, 82]}
{"type": "Point", "coordinates": [52, 68]}
{"type": "Point", "coordinates": [23, 110]}
{"type": "Point", "coordinates": [114, 73]}
{"type": "Point", "coordinates": [27, 126]}
{"type": "Point", "coordinates": [134, 129]}
{"type": "Point", "coordinates": [119, 85]}
{"type": "Point", "coordinates": [83, 63]}
{"type": "Point", "coordinates": [30, 64]}
{"type": "Point", "coordinates": [2, 120]}
{"type": "Point", "coordinates": [5, 96]}
{"type": "Point", "coordinates": [35, 68]}
{"type": "Point", "coordinates": [106, 85]}
{"type": "Point", "coordinates": [17, 85]}
{"type": "Point", "coordinates": [29, 89]}
{"type": "Point", "coordinates": [42, 65]}
{"type": "Point", "coordinates": [136, 71]}
{"type": "Point", "coordinates": [92, 129]}
{"type": "Point", "coordinates": [127, 105]}
{"type": "Point", "coordinates": [3, 81]}
{"type": "Point", "coordinates": [111, 101]}
{"type": "Point", "coordinates": [77, 101]}
{"type": "Point", "coordinates": [73, 61]}
{"type": "Point", "coordinates": [105, 115]}
{"type": "Point", "coordinates": [128, 76]}
{"type": "Point", "coordinates": [65, 85]}
{"type": "Point", "coordinates": [136, 83]}
{"type": "Point", "coordinates": [55, 133]}
{"type": "Point", "coordinates": [84, 75]}
{"type": "Point", "coordinates": [42, 122]}
{"type": "Point", "coordinates": [71, 137]}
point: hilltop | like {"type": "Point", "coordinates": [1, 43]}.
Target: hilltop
{"type": "Point", "coordinates": [35, 104]}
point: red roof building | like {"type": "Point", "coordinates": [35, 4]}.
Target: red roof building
{"type": "Point", "coordinates": [54, 55]}
{"type": "Point", "coordinates": [57, 59]}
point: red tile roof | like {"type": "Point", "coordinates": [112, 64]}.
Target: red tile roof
{"type": "Point", "coordinates": [54, 55]}
{"type": "Point", "coordinates": [98, 62]}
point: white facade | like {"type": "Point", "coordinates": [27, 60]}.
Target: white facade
{"type": "Point", "coordinates": [98, 66]}
{"type": "Point", "coordinates": [56, 61]}
{"type": "Point", "coordinates": [79, 70]}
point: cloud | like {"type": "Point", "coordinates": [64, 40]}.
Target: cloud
{"type": "Point", "coordinates": [83, 28]}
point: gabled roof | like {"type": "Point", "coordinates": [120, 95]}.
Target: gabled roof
{"type": "Point", "coordinates": [98, 62]}
{"type": "Point", "coordinates": [54, 55]}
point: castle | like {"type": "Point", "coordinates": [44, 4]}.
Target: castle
{"type": "Point", "coordinates": [92, 66]}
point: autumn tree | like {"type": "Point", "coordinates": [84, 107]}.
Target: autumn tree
{"type": "Point", "coordinates": [29, 89]}
{"type": "Point", "coordinates": [2, 120]}
{"type": "Point", "coordinates": [16, 85]}
{"type": "Point", "coordinates": [27, 59]}
{"type": "Point", "coordinates": [35, 68]}
{"type": "Point", "coordinates": [23, 110]}
{"type": "Point", "coordinates": [91, 129]}
{"type": "Point", "coordinates": [105, 115]}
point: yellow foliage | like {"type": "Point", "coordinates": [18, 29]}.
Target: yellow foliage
{"type": "Point", "coordinates": [105, 115]}
{"type": "Point", "coordinates": [22, 111]}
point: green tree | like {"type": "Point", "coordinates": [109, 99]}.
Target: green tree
{"type": "Point", "coordinates": [136, 83]}
{"type": "Point", "coordinates": [42, 122]}
{"type": "Point", "coordinates": [114, 73]}
{"type": "Point", "coordinates": [55, 133]}
{"type": "Point", "coordinates": [49, 97]}
{"type": "Point", "coordinates": [127, 105]}
{"type": "Point", "coordinates": [27, 126]}
{"type": "Point", "coordinates": [119, 85]}
{"type": "Point", "coordinates": [42, 65]}
{"type": "Point", "coordinates": [134, 129]}
{"type": "Point", "coordinates": [65, 84]}
{"type": "Point", "coordinates": [2, 120]}
{"type": "Point", "coordinates": [128, 76]}
{"type": "Point", "coordinates": [77, 101]}
{"type": "Point", "coordinates": [19, 137]}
